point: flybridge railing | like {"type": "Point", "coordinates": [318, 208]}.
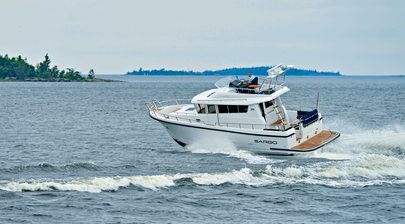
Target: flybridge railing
{"type": "Point", "coordinates": [275, 78]}
{"type": "Point", "coordinates": [264, 86]}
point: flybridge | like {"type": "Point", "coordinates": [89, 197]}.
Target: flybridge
{"type": "Point", "coordinates": [271, 78]}
{"type": "Point", "coordinates": [234, 96]}
{"type": "Point", "coordinates": [268, 85]}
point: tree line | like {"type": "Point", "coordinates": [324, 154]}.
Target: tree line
{"type": "Point", "coordinates": [17, 68]}
{"type": "Point", "coordinates": [261, 70]}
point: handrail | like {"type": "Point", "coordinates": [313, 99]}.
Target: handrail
{"type": "Point", "coordinates": [186, 101]}
{"type": "Point", "coordinates": [243, 125]}
{"type": "Point", "coordinates": [221, 124]}
{"type": "Point", "coordinates": [299, 108]}
{"type": "Point", "coordinates": [154, 104]}
{"type": "Point", "coordinates": [260, 90]}
{"type": "Point", "coordinates": [265, 84]}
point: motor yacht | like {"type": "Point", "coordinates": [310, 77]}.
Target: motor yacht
{"type": "Point", "coordinates": [248, 116]}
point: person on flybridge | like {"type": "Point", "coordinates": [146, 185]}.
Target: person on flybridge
{"type": "Point", "coordinates": [252, 80]}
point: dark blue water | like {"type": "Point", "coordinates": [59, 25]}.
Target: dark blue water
{"type": "Point", "coordinates": [88, 152]}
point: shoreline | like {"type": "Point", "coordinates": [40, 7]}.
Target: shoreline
{"type": "Point", "coordinates": [59, 80]}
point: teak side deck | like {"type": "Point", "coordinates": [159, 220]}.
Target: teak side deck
{"type": "Point", "coordinates": [317, 141]}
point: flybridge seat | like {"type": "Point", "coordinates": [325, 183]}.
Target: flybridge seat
{"type": "Point", "coordinates": [255, 81]}
{"type": "Point", "coordinates": [237, 83]}
{"type": "Point", "coordinates": [244, 88]}
{"type": "Point", "coordinates": [307, 117]}
{"type": "Point", "coordinates": [240, 86]}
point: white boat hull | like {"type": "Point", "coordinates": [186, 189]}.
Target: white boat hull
{"type": "Point", "coordinates": [259, 141]}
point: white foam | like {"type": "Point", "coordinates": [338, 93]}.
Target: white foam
{"type": "Point", "coordinates": [322, 153]}
{"type": "Point", "coordinates": [243, 176]}
{"type": "Point", "coordinates": [93, 185]}
{"type": "Point", "coordinates": [229, 149]}
{"type": "Point", "coordinates": [387, 140]}
{"type": "Point", "coordinates": [99, 184]}
{"type": "Point", "coordinates": [366, 169]}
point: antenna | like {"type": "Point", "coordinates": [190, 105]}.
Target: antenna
{"type": "Point", "coordinates": [317, 101]}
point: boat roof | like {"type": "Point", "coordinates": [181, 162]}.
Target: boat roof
{"type": "Point", "coordinates": [228, 96]}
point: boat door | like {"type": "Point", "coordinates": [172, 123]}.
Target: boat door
{"type": "Point", "coordinates": [212, 114]}
{"type": "Point", "coordinates": [269, 112]}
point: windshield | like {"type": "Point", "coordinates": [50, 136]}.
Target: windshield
{"type": "Point", "coordinates": [224, 82]}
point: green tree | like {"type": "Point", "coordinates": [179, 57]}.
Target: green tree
{"type": "Point", "coordinates": [15, 68]}
{"type": "Point", "coordinates": [73, 75]}
{"type": "Point", "coordinates": [43, 67]}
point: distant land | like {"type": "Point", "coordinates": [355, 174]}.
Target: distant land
{"type": "Point", "coordinates": [261, 70]}
{"type": "Point", "coordinates": [18, 69]}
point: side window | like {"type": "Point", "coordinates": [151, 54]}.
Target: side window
{"type": "Point", "coordinates": [233, 108]}
{"type": "Point", "coordinates": [243, 109]}
{"type": "Point", "coordinates": [211, 109]}
{"type": "Point", "coordinates": [222, 108]}
{"type": "Point", "coordinates": [268, 104]}
{"type": "Point", "coordinates": [200, 108]}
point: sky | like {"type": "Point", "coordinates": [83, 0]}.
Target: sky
{"type": "Point", "coordinates": [361, 37]}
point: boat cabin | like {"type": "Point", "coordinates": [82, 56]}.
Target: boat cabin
{"type": "Point", "coordinates": [232, 108]}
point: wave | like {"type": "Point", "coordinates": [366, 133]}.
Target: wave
{"type": "Point", "coordinates": [364, 170]}
{"type": "Point", "coordinates": [93, 185]}
{"type": "Point", "coordinates": [50, 168]}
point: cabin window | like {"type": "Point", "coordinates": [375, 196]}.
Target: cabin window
{"type": "Point", "coordinates": [222, 108]}
{"type": "Point", "coordinates": [200, 108]}
{"type": "Point", "coordinates": [243, 108]}
{"type": "Point", "coordinates": [268, 104]}
{"type": "Point", "coordinates": [233, 109]}
{"type": "Point", "coordinates": [211, 109]}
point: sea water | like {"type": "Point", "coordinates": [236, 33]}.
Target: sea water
{"type": "Point", "coordinates": [89, 153]}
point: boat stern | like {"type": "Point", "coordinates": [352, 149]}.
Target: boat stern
{"type": "Point", "coordinates": [317, 141]}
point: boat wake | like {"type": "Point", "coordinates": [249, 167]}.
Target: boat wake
{"type": "Point", "coordinates": [357, 159]}
{"type": "Point", "coordinates": [230, 150]}
{"type": "Point", "coordinates": [389, 141]}
{"type": "Point", "coordinates": [364, 170]}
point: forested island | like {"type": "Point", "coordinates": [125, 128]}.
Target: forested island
{"type": "Point", "coordinates": [18, 69]}
{"type": "Point", "coordinates": [261, 70]}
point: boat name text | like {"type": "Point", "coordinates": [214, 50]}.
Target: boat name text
{"type": "Point", "coordinates": [266, 142]}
